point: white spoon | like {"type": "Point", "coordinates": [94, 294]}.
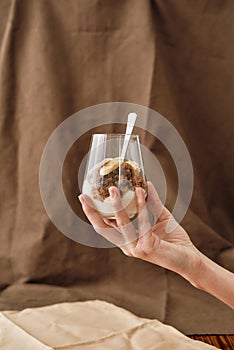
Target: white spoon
{"type": "Point", "coordinates": [130, 125]}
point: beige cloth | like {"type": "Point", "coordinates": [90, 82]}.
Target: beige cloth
{"type": "Point", "coordinates": [88, 325]}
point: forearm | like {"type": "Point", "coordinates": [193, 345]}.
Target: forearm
{"type": "Point", "coordinates": [214, 279]}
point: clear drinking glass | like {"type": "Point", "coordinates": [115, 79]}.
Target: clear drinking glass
{"type": "Point", "coordinates": [106, 168]}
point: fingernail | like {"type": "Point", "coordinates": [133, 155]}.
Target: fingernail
{"type": "Point", "coordinates": [139, 191]}
{"type": "Point", "coordinates": [112, 193]}
{"type": "Point", "coordinates": [81, 199]}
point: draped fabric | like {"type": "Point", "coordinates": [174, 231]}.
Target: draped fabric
{"type": "Point", "coordinates": [60, 56]}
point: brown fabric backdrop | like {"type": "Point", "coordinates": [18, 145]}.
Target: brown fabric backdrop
{"type": "Point", "coordinates": [59, 56]}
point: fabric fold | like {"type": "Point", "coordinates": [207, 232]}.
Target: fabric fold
{"type": "Point", "coordinates": [90, 325]}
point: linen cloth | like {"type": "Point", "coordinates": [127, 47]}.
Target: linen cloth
{"type": "Point", "coordinates": [88, 325]}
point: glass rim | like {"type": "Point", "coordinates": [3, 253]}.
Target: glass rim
{"type": "Point", "coordinates": [115, 134]}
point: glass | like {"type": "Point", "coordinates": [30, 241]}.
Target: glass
{"type": "Point", "coordinates": [106, 168]}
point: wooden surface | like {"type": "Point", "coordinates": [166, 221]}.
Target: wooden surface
{"type": "Point", "coordinates": [224, 342]}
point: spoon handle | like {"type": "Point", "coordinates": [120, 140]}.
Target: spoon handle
{"type": "Point", "coordinates": [130, 125]}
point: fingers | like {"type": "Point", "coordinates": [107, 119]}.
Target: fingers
{"type": "Point", "coordinates": [147, 239]}
{"type": "Point", "coordinates": [97, 222]}
{"type": "Point", "coordinates": [122, 219]}
{"type": "Point", "coordinates": [90, 212]}
{"type": "Point", "coordinates": [142, 214]}
{"type": "Point", "coordinates": [155, 205]}
{"type": "Point", "coordinates": [112, 223]}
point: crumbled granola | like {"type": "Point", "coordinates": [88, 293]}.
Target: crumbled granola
{"type": "Point", "coordinates": [123, 177]}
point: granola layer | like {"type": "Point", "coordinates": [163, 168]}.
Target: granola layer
{"type": "Point", "coordinates": [125, 177]}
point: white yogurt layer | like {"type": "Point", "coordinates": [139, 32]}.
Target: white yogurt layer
{"type": "Point", "coordinates": [105, 207]}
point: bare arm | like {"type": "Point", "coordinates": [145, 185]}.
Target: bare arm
{"type": "Point", "coordinates": [214, 279]}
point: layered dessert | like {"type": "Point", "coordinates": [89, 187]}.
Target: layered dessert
{"type": "Point", "coordinates": [126, 175]}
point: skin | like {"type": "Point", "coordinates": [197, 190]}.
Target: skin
{"type": "Point", "coordinates": [164, 243]}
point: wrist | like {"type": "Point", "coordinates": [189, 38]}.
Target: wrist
{"type": "Point", "coordinates": [194, 274]}
{"type": "Point", "coordinates": [214, 279]}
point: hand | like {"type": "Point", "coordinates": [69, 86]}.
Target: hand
{"type": "Point", "coordinates": [172, 250]}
